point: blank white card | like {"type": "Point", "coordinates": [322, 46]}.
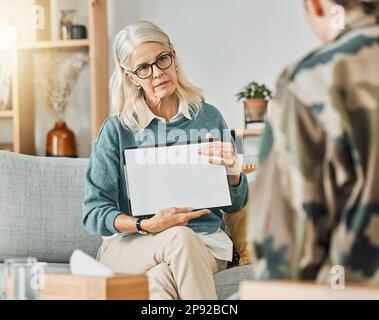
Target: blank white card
{"type": "Point", "coordinates": [173, 176]}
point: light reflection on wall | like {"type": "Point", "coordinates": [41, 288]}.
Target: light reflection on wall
{"type": "Point", "coordinates": [7, 36]}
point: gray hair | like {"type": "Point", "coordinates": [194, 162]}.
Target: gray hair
{"type": "Point", "coordinates": [126, 98]}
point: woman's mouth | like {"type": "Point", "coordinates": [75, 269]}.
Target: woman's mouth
{"type": "Point", "coordinates": [162, 84]}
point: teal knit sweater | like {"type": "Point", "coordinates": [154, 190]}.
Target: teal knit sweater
{"type": "Point", "coordinates": [105, 186]}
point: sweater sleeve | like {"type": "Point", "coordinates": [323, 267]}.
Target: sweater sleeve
{"type": "Point", "coordinates": [100, 205]}
{"type": "Point", "coordinates": [239, 193]}
{"type": "Point", "coordinates": [239, 196]}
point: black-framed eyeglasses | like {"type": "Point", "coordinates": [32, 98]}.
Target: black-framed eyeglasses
{"type": "Point", "coordinates": [144, 71]}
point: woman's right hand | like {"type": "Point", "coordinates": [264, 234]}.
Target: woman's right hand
{"type": "Point", "coordinates": [171, 217]}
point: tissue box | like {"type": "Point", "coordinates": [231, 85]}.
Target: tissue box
{"type": "Point", "coordinates": [65, 286]}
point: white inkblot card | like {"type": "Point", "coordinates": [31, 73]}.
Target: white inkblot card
{"type": "Point", "coordinates": [162, 177]}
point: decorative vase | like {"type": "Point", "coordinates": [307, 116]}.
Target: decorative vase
{"type": "Point", "coordinates": [255, 109]}
{"type": "Point", "coordinates": [61, 141]}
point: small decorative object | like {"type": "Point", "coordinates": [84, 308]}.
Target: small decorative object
{"type": "Point", "coordinates": [61, 141]}
{"type": "Point", "coordinates": [256, 97]}
{"type": "Point", "coordinates": [56, 94]}
{"type": "Point", "coordinates": [66, 23]}
{"type": "Point", "coordinates": [79, 32]}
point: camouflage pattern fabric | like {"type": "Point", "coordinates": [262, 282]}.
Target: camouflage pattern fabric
{"type": "Point", "coordinates": [316, 196]}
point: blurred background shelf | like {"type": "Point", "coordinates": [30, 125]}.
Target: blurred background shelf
{"type": "Point", "coordinates": [62, 44]}
{"type": "Point", "coordinates": [6, 146]}
{"type": "Point", "coordinates": [250, 132]}
{"type": "Point", "coordinates": [6, 114]}
{"type": "Point", "coordinates": [22, 56]}
{"type": "Point", "coordinates": [253, 121]}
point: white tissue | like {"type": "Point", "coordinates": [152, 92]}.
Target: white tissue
{"type": "Point", "coordinates": [82, 264]}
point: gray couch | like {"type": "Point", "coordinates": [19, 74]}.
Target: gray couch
{"type": "Point", "coordinates": [40, 214]}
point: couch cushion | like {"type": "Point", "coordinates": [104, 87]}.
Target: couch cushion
{"type": "Point", "coordinates": [40, 208]}
{"type": "Point", "coordinates": [227, 281]}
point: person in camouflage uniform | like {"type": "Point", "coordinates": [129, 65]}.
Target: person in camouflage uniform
{"type": "Point", "coordinates": [316, 195]}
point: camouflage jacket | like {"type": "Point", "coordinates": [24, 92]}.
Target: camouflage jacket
{"type": "Point", "coordinates": [316, 195]}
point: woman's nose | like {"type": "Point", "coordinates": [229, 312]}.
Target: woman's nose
{"type": "Point", "coordinates": [157, 72]}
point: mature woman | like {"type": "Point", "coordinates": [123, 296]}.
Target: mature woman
{"type": "Point", "coordinates": [179, 249]}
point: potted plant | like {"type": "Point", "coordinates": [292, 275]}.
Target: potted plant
{"type": "Point", "coordinates": [256, 97]}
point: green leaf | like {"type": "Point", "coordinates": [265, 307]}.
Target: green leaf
{"type": "Point", "coordinates": [254, 90]}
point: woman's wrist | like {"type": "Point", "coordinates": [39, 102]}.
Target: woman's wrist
{"type": "Point", "coordinates": [234, 180]}
{"type": "Point", "coordinates": [125, 223]}
{"type": "Point", "coordinates": [145, 225]}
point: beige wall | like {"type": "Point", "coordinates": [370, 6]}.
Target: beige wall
{"type": "Point", "coordinates": [223, 44]}
{"type": "Point", "coordinates": [20, 11]}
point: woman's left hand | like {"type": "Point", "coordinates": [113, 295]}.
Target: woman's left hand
{"type": "Point", "coordinates": [225, 155]}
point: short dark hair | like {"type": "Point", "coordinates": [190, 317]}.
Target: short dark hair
{"type": "Point", "coordinates": [368, 6]}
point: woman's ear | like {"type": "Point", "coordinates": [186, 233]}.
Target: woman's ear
{"type": "Point", "coordinates": [174, 57]}
{"type": "Point", "coordinates": [316, 7]}
{"type": "Point", "coordinates": [132, 79]}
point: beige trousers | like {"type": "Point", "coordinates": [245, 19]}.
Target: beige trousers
{"type": "Point", "coordinates": [176, 262]}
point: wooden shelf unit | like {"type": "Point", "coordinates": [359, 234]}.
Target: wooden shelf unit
{"type": "Point", "coordinates": [23, 109]}
{"type": "Point", "coordinates": [251, 132]}
{"type": "Point", "coordinates": [6, 114]}
{"type": "Point", "coordinates": [6, 146]}
{"type": "Point", "coordinates": [62, 44]}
